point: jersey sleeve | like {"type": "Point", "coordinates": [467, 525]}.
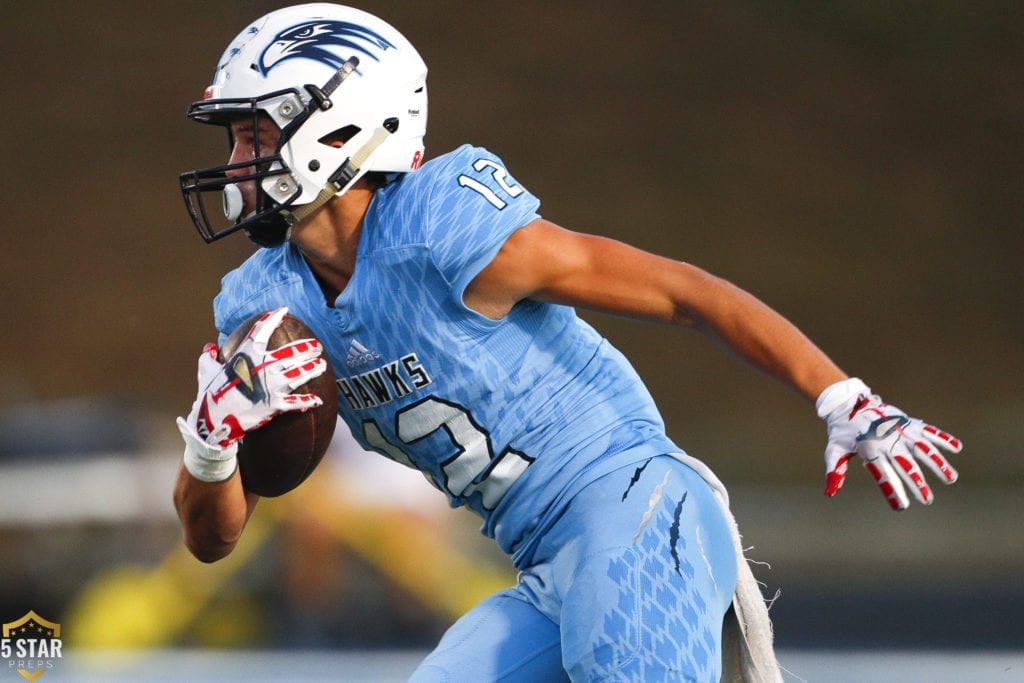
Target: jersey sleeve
{"type": "Point", "coordinates": [473, 208]}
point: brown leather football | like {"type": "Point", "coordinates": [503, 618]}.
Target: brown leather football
{"type": "Point", "coordinates": [278, 456]}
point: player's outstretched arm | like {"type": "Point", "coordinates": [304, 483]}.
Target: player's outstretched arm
{"type": "Point", "coordinates": [546, 262]}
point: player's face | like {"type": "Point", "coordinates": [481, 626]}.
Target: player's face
{"type": "Point", "coordinates": [249, 143]}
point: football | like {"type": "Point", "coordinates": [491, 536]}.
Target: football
{"type": "Point", "coordinates": [277, 457]}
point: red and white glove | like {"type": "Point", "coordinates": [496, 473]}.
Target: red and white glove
{"type": "Point", "coordinates": [887, 441]}
{"type": "Point", "coordinates": [244, 393]}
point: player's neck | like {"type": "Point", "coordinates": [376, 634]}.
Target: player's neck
{"type": "Point", "coordinates": [330, 240]}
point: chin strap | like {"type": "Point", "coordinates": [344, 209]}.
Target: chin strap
{"type": "Point", "coordinates": [345, 176]}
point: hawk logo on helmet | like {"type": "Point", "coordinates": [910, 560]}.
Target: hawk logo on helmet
{"type": "Point", "coordinates": [313, 40]}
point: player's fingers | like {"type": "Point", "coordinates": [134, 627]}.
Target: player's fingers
{"type": "Point", "coordinates": [884, 475]}
{"type": "Point", "coordinates": [941, 438]}
{"type": "Point", "coordinates": [300, 374]}
{"type": "Point", "coordinates": [298, 351]}
{"type": "Point", "coordinates": [297, 403]}
{"type": "Point", "coordinates": [931, 457]}
{"type": "Point", "coordinates": [209, 367]}
{"type": "Point", "coordinates": [912, 475]}
{"type": "Point", "coordinates": [260, 333]}
{"type": "Point", "coordinates": [835, 477]}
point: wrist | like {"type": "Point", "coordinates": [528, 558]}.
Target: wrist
{"type": "Point", "coordinates": [839, 394]}
{"type": "Point", "coordinates": [205, 462]}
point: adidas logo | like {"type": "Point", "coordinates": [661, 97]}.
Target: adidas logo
{"type": "Point", "coordinates": [359, 355]}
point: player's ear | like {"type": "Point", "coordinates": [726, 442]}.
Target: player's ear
{"type": "Point", "coordinates": [338, 138]}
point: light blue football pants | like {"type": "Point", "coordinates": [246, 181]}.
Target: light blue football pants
{"type": "Point", "coordinates": [630, 584]}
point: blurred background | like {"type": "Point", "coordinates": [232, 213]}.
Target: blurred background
{"type": "Point", "coordinates": [857, 165]}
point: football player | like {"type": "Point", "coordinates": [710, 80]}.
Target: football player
{"type": "Point", "coordinates": [446, 304]}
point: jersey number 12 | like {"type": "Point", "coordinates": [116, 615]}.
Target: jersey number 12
{"type": "Point", "coordinates": [499, 175]}
{"type": "Point", "coordinates": [473, 468]}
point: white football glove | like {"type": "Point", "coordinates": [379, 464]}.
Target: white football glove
{"type": "Point", "coordinates": [887, 441]}
{"type": "Point", "coordinates": [244, 393]}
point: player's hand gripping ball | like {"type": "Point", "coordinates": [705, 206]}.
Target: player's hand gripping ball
{"type": "Point", "coordinates": [268, 395]}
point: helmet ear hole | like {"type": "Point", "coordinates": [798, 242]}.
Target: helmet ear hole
{"type": "Point", "coordinates": [341, 135]}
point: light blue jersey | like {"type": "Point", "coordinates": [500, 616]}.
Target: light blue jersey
{"type": "Point", "coordinates": [507, 417]}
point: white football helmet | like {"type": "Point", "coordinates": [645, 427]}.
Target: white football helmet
{"type": "Point", "coordinates": [321, 72]}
